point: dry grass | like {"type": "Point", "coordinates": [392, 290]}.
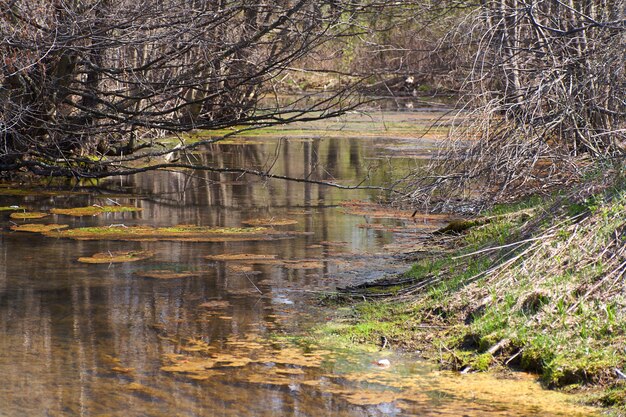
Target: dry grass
{"type": "Point", "coordinates": [543, 292]}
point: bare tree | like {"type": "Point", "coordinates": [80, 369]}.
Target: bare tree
{"type": "Point", "coordinates": [99, 78]}
{"type": "Point", "coordinates": [546, 96]}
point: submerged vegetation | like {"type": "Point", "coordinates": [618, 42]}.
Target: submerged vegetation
{"type": "Point", "coordinates": [293, 363]}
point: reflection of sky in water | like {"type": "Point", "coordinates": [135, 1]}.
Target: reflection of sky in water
{"type": "Point", "coordinates": [89, 340]}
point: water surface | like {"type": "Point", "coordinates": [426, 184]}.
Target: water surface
{"type": "Point", "coordinates": [101, 340]}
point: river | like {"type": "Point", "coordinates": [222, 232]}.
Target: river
{"type": "Point", "coordinates": [223, 338]}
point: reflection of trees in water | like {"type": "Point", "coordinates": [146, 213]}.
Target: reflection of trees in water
{"type": "Point", "coordinates": [62, 341]}
{"type": "Point", "coordinates": [326, 159]}
{"type": "Point", "coordinates": [64, 323]}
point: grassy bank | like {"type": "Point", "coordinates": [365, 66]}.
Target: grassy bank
{"type": "Point", "coordinates": [537, 286]}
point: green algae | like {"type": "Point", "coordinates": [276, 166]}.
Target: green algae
{"type": "Point", "coordinates": [33, 192]}
{"type": "Point", "coordinates": [93, 210]}
{"type": "Point", "coordinates": [174, 233]}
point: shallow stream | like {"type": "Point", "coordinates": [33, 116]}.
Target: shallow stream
{"type": "Point", "coordinates": [211, 327]}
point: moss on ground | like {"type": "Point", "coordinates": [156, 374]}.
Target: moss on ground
{"type": "Point", "coordinates": [542, 292]}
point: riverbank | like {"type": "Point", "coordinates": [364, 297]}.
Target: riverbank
{"type": "Point", "coordinates": [535, 286]}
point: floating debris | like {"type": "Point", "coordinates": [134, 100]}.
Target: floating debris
{"type": "Point", "coordinates": [94, 210]}
{"type": "Point", "coordinates": [116, 257]}
{"type": "Point", "coordinates": [383, 363]}
{"type": "Point", "coordinates": [28, 215]}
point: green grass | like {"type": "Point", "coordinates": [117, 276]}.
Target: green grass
{"type": "Point", "coordinates": [559, 310]}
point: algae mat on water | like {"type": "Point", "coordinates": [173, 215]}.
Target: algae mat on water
{"type": "Point", "coordinates": [37, 228]}
{"type": "Point", "coordinates": [93, 210]}
{"type": "Point", "coordinates": [257, 258]}
{"type": "Point", "coordinates": [166, 274]}
{"type": "Point", "coordinates": [185, 233]}
{"type": "Point", "coordinates": [28, 215]}
{"type": "Point", "coordinates": [355, 377]}
{"type": "Point", "coordinates": [116, 257]}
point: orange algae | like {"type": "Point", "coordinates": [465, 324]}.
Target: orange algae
{"type": "Point", "coordinates": [38, 228]}
{"type": "Point", "coordinates": [255, 360]}
{"type": "Point", "coordinates": [240, 257]}
{"type": "Point", "coordinates": [241, 269]}
{"type": "Point", "coordinates": [215, 304]}
{"type": "Point", "coordinates": [28, 215]}
{"type": "Point", "coordinates": [166, 274]}
{"type": "Point", "coordinates": [116, 257]}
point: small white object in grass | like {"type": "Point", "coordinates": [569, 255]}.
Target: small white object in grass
{"type": "Point", "coordinates": [383, 363]}
{"type": "Point", "coordinates": [14, 207]}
